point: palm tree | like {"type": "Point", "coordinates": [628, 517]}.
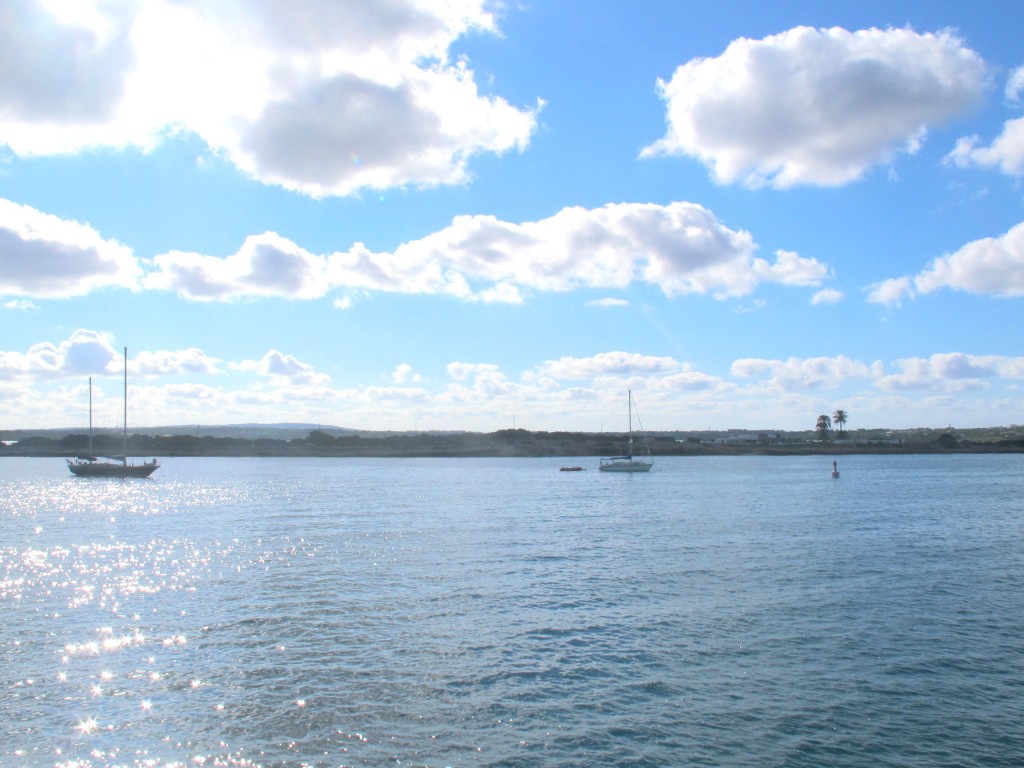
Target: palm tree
{"type": "Point", "coordinates": [839, 419]}
{"type": "Point", "coordinates": [823, 427]}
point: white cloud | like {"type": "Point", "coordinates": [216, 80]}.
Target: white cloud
{"type": "Point", "coordinates": [322, 98]}
{"type": "Point", "coordinates": [790, 269]}
{"type": "Point", "coordinates": [86, 353]}
{"type": "Point", "coordinates": [1015, 84]}
{"type": "Point", "coordinates": [815, 106]}
{"type": "Point", "coordinates": [265, 265]}
{"type": "Point", "coordinates": [59, 73]}
{"type": "Point", "coordinates": [693, 381]}
{"type": "Point", "coordinates": [45, 257]}
{"type": "Point", "coordinates": [501, 293]}
{"type": "Point", "coordinates": [749, 308]}
{"type": "Point", "coordinates": [952, 372]}
{"type": "Point", "coordinates": [892, 291]}
{"type": "Point", "coordinates": [175, 362]}
{"type": "Point", "coordinates": [608, 302]}
{"type": "Point", "coordinates": [604, 364]}
{"type": "Point", "coordinates": [465, 371]}
{"type": "Point", "coordinates": [567, 393]}
{"type": "Point", "coordinates": [404, 374]}
{"type": "Point", "coordinates": [992, 266]}
{"type": "Point", "coordinates": [681, 248]}
{"type": "Point", "coordinates": [479, 383]}
{"type": "Point", "coordinates": [284, 369]}
{"type": "Point", "coordinates": [809, 373]}
{"type": "Point", "coordinates": [827, 296]}
{"type": "Point", "coordinates": [1006, 153]}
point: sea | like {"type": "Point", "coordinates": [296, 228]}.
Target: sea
{"type": "Point", "coordinates": [717, 611]}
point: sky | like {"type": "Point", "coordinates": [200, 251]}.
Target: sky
{"type": "Point", "coordinates": [471, 215]}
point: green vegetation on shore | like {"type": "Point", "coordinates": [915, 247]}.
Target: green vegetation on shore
{"type": "Point", "coordinates": [298, 440]}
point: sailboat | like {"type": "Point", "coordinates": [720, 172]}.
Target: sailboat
{"type": "Point", "coordinates": [627, 463]}
{"type": "Point", "coordinates": [90, 466]}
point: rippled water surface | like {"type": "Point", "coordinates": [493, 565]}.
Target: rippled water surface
{"type": "Point", "coordinates": [492, 612]}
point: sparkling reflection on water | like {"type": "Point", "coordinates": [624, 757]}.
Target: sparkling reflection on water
{"type": "Point", "coordinates": [727, 611]}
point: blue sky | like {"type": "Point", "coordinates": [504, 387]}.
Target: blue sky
{"type": "Point", "coordinates": [386, 216]}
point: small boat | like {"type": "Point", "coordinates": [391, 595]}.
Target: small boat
{"type": "Point", "coordinates": [571, 469]}
{"type": "Point", "coordinates": [627, 463]}
{"type": "Point", "coordinates": [91, 466]}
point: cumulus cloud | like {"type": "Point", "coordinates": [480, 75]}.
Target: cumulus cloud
{"type": "Point", "coordinates": [20, 304]}
{"type": "Point", "coordinates": [992, 266]}
{"type": "Point", "coordinates": [175, 362]}
{"type": "Point", "coordinates": [1005, 153]}
{"type": "Point", "coordinates": [265, 265]}
{"type": "Point", "coordinates": [827, 296]}
{"type": "Point", "coordinates": [681, 248]}
{"type": "Point", "coordinates": [603, 364]}
{"type": "Point", "coordinates": [815, 106]}
{"type": "Point", "coordinates": [563, 393]}
{"type": "Point", "coordinates": [466, 371]}
{"type": "Point", "coordinates": [283, 370]}
{"type": "Point", "coordinates": [804, 373]}
{"type": "Point", "coordinates": [404, 374]}
{"type": "Point", "coordinates": [790, 269]}
{"type": "Point", "coordinates": [1015, 84]}
{"type": "Point", "coordinates": [83, 352]}
{"type": "Point", "coordinates": [57, 71]}
{"type": "Point", "coordinates": [321, 98]}
{"type": "Point", "coordinates": [87, 352]}
{"type": "Point", "coordinates": [692, 381]}
{"type": "Point", "coordinates": [951, 372]}
{"type": "Point", "coordinates": [473, 381]}
{"type": "Point", "coordinates": [891, 292]}
{"type": "Point", "coordinates": [46, 257]}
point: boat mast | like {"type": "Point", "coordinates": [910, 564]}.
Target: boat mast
{"type": "Point", "coordinates": [90, 415]}
{"type": "Point", "coordinates": [124, 457]}
{"type": "Point", "coordinates": [630, 406]}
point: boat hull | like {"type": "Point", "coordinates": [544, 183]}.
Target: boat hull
{"type": "Point", "coordinates": [103, 469]}
{"type": "Point", "coordinates": [88, 466]}
{"type": "Point", "coordinates": [626, 466]}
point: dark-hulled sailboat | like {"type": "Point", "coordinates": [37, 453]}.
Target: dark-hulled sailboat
{"type": "Point", "coordinates": [91, 466]}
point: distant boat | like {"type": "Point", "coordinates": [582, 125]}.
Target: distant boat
{"type": "Point", "coordinates": [571, 469]}
{"type": "Point", "coordinates": [91, 466]}
{"type": "Point", "coordinates": [627, 463]}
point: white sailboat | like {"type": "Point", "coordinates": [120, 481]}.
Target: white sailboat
{"type": "Point", "coordinates": [627, 463]}
{"type": "Point", "coordinates": [90, 466]}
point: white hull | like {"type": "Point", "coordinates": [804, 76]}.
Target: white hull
{"type": "Point", "coordinates": [626, 462]}
{"type": "Point", "coordinates": [626, 466]}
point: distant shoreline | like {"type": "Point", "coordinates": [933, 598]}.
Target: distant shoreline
{"type": "Point", "coordinates": [511, 443]}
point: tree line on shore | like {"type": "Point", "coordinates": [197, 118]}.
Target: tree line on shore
{"type": "Point", "coordinates": [514, 442]}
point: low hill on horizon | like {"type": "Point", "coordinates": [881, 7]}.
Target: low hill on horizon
{"type": "Point", "coordinates": [293, 439]}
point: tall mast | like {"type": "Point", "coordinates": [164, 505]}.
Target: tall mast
{"type": "Point", "coordinates": [629, 405]}
{"type": "Point", "coordinates": [90, 415]}
{"type": "Point", "coordinates": [124, 457]}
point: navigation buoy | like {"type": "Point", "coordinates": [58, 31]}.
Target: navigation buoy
{"type": "Point", "coordinates": [835, 470]}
